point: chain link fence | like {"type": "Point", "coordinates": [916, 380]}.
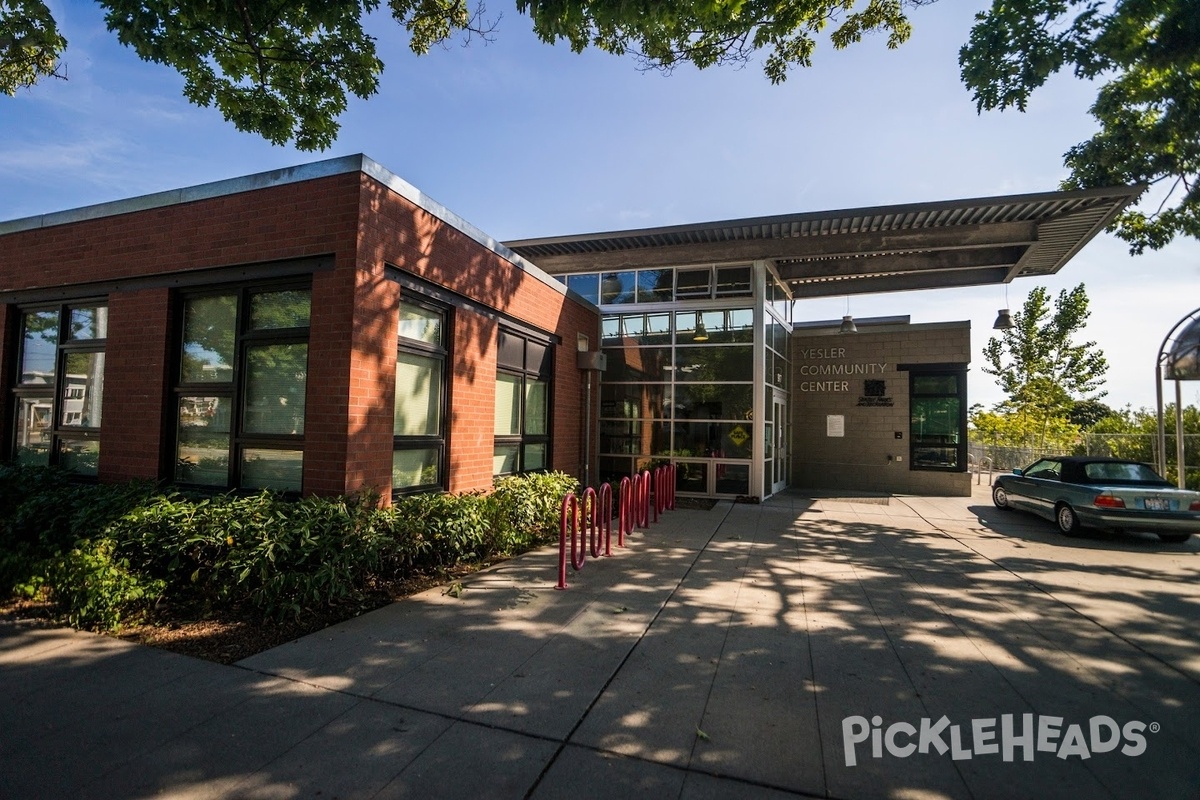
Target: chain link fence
{"type": "Point", "coordinates": [986, 459]}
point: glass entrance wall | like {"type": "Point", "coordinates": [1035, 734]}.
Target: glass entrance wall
{"type": "Point", "coordinates": [679, 387]}
{"type": "Point", "coordinates": [690, 351]}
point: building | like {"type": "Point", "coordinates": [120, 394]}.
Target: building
{"type": "Point", "coordinates": [329, 328]}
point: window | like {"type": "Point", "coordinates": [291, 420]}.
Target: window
{"type": "Point", "coordinates": [59, 396]}
{"type": "Point", "coordinates": [938, 420]}
{"type": "Point", "coordinates": [522, 421]}
{"type": "Point", "coordinates": [241, 388]}
{"type": "Point", "coordinates": [419, 422]}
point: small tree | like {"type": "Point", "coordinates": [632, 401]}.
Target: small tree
{"type": "Point", "coordinates": [1039, 365]}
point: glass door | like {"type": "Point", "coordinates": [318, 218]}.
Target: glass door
{"type": "Point", "coordinates": [781, 449]}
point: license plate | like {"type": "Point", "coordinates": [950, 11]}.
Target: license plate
{"type": "Point", "coordinates": [1158, 504]}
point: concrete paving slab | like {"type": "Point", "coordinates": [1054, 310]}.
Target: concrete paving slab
{"type": "Point", "coordinates": [764, 627]}
{"type": "Point", "coordinates": [472, 761]}
{"type": "Point", "coordinates": [357, 755]}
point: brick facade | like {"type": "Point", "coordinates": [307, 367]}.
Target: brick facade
{"type": "Point", "coordinates": [134, 254]}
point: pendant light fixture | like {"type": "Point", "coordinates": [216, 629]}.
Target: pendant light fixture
{"type": "Point", "coordinates": [848, 325]}
{"type": "Point", "coordinates": [701, 334]}
{"type": "Point", "coordinates": [1004, 320]}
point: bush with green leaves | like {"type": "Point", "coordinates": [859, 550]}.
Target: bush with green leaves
{"type": "Point", "coordinates": [281, 557]}
{"type": "Point", "coordinates": [43, 512]}
{"type": "Point", "coordinates": [531, 506]}
{"type": "Point", "coordinates": [112, 553]}
{"type": "Point", "coordinates": [97, 588]}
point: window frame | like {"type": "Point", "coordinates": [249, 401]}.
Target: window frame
{"type": "Point", "coordinates": [440, 351]}
{"type": "Point", "coordinates": [245, 339]}
{"type": "Point", "coordinates": [960, 394]}
{"type": "Point", "coordinates": [55, 391]}
{"type": "Point", "coordinates": [545, 374]}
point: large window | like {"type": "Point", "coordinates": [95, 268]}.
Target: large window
{"type": "Point", "coordinates": [59, 395]}
{"type": "Point", "coordinates": [938, 420]}
{"type": "Point", "coordinates": [523, 376]}
{"type": "Point", "coordinates": [419, 423]}
{"type": "Point", "coordinates": [240, 393]}
{"type": "Point", "coordinates": [680, 386]}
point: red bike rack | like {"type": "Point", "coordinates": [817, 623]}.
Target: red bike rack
{"type": "Point", "coordinates": [594, 511]}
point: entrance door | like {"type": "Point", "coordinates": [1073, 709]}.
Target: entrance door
{"type": "Point", "coordinates": [779, 418]}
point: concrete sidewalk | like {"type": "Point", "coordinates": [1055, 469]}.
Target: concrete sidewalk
{"type": "Point", "coordinates": [717, 656]}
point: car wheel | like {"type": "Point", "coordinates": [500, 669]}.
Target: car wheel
{"type": "Point", "coordinates": [1174, 538]}
{"type": "Point", "coordinates": [999, 496]}
{"type": "Point", "coordinates": [1067, 520]}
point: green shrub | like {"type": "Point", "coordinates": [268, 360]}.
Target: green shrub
{"type": "Point", "coordinates": [281, 557]}
{"type": "Point", "coordinates": [96, 588]}
{"type": "Point", "coordinates": [530, 507]}
{"type": "Point", "coordinates": [110, 553]}
{"type": "Point", "coordinates": [440, 530]}
{"type": "Point", "coordinates": [44, 512]}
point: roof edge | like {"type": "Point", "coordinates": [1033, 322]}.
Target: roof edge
{"type": "Point", "coordinates": [1127, 192]}
{"type": "Point", "coordinates": [280, 177]}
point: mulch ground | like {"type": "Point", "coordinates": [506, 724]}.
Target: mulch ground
{"type": "Point", "coordinates": [228, 637]}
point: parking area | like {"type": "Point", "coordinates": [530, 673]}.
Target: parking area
{"type": "Point", "coordinates": [834, 647]}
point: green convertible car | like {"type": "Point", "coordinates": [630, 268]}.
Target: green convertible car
{"type": "Point", "coordinates": [1105, 493]}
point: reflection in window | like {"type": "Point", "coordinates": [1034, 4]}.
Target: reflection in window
{"type": "Point", "coordinates": [242, 388]}
{"type": "Point", "coordinates": [276, 470]}
{"type": "Point", "coordinates": [618, 287]}
{"type": "Point", "coordinates": [524, 369]}
{"type": "Point", "coordinates": [937, 405]}
{"type": "Point", "coordinates": [59, 394]}
{"type": "Point", "coordinates": [276, 380]}
{"type": "Point", "coordinates": [83, 390]}
{"type": "Point", "coordinates": [209, 332]}
{"type": "Point", "coordinates": [715, 327]}
{"type": "Point", "coordinates": [419, 419]}
{"type": "Point", "coordinates": [714, 364]}
{"type": "Point", "coordinates": [587, 285]}
{"type": "Point", "coordinates": [693, 400]}
{"type": "Point", "coordinates": [274, 310]}
{"type": "Point", "coordinates": [203, 448]}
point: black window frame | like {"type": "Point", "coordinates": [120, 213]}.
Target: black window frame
{"type": "Point", "coordinates": [526, 370]}
{"type": "Point", "coordinates": [442, 352]}
{"type": "Point", "coordinates": [245, 338]}
{"type": "Point", "coordinates": [65, 346]}
{"type": "Point", "coordinates": [916, 441]}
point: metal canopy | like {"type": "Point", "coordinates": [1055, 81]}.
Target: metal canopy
{"type": "Point", "coordinates": [858, 251]}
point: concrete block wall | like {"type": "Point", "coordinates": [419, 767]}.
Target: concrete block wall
{"type": "Point", "coordinates": [829, 371]}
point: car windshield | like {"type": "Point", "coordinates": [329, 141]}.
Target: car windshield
{"type": "Point", "coordinates": [1101, 471]}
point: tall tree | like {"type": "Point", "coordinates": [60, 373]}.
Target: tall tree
{"type": "Point", "coordinates": [1146, 56]}
{"type": "Point", "coordinates": [1038, 362]}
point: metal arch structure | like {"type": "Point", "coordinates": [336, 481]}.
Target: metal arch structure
{"type": "Point", "coordinates": [1178, 360]}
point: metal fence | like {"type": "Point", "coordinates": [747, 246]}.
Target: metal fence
{"type": "Point", "coordinates": [985, 459]}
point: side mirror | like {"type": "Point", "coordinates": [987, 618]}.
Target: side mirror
{"type": "Point", "coordinates": [1018, 471]}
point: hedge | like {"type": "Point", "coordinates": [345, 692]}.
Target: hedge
{"type": "Point", "coordinates": [110, 554]}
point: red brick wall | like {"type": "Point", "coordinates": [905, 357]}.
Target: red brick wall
{"type": "Point", "coordinates": [348, 421]}
{"type": "Point", "coordinates": [394, 231]}
{"type": "Point", "coordinates": [136, 375]}
{"type": "Point", "coordinates": [289, 221]}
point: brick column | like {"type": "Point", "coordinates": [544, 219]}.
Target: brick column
{"type": "Point", "coordinates": [136, 375]}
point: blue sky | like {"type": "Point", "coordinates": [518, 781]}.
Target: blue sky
{"type": "Point", "coordinates": [526, 140]}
